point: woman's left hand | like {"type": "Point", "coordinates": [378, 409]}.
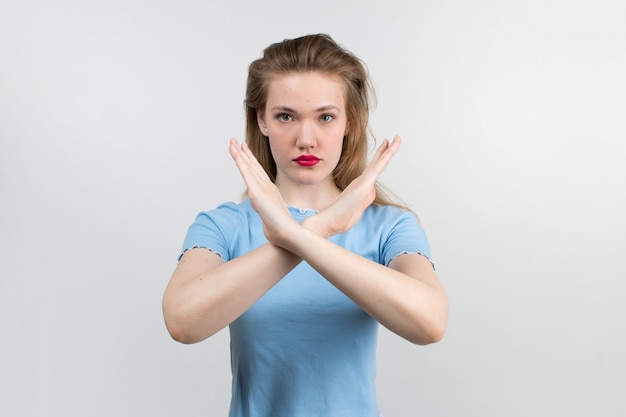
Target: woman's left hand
{"type": "Point", "coordinates": [263, 193]}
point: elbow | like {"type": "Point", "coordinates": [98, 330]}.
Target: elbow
{"type": "Point", "coordinates": [184, 333]}
{"type": "Point", "coordinates": [427, 336]}
{"type": "Point", "coordinates": [180, 334]}
{"type": "Point", "coordinates": [181, 328]}
{"type": "Point", "coordinates": [185, 324]}
{"type": "Point", "coordinates": [433, 330]}
{"type": "Point", "coordinates": [434, 335]}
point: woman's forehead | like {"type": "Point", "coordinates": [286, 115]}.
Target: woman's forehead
{"type": "Point", "coordinates": [310, 90]}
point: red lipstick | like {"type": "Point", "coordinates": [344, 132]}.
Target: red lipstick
{"type": "Point", "coordinates": [307, 160]}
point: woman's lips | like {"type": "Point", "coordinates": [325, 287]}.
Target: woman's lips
{"type": "Point", "coordinates": [307, 160]}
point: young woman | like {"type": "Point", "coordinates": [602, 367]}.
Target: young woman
{"type": "Point", "coordinates": [305, 268]}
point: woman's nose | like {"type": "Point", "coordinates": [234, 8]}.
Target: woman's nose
{"type": "Point", "coordinates": [306, 136]}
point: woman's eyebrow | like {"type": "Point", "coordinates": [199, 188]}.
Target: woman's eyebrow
{"type": "Point", "coordinates": [290, 110]}
{"type": "Point", "coordinates": [283, 109]}
{"type": "Point", "coordinates": [329, 107]}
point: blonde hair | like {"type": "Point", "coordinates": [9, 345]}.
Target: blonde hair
{"type": "Point", "coordinates": [315, 53]}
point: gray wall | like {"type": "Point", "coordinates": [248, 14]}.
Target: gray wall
{"type": "Point", "coordinates": [114, 125]}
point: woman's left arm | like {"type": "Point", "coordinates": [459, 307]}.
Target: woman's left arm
{"type": "Point", "coordinates": [406, 297]}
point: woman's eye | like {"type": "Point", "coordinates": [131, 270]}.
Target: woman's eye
{"type": "Point", "coordinates": [284, 118]}
{"type": "Point", "coordinates": [326, 118]}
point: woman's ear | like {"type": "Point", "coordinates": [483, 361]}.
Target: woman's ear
{"type": "Point", "coordinates": [260, 118]}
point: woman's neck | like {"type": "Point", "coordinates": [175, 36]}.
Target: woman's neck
{"type": "Point", "coordinates": [315, 197]}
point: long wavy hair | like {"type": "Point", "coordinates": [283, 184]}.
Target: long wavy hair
{"type": "Point", "coordinates": [315, 53]}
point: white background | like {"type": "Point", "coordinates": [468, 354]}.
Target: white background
{"type": "Point", "coordinates": [114, 124]}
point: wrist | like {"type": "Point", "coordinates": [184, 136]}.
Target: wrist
{"type": "Point", "coordinates": [316, 225]}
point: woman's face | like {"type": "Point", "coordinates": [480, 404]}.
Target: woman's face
{"type": "Point", "coordinates": [305, 117]}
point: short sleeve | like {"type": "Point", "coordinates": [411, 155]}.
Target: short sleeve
{"type": "Point", "coordinates": [405, 236]}
{"type": "Point", "coordinates": [214, 230]}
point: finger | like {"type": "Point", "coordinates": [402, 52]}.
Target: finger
{"type": "Point", "coordinates": [391, 148]}
{"type": "Point", "coordinates": [243, 161]}
{"type": "Point", "coordinates": [236, 152]}
{"type": "Point", "coordinates": [242, 155]}
{"type": "Point", "coordinates": [254, 165]}
{"type": "Point", "coordinates": [233, 147]}
{"type": "Point", "coordinates": [383, 155]}
{"type": "Point", "coordinates": [394, 145]}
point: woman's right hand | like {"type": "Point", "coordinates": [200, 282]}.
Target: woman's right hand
{"type": "Point", "coordinates": [347, 209]}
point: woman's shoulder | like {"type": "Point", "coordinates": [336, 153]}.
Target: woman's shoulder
{"type": "Point", "coordinates": [230, 212]}
{"type": "Point", "coordinates": [386, 220]}
{"type": "Point", "coordinates": [388, 213]}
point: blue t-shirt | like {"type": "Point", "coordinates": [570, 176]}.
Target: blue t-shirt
{"type": "Point", "coordinates": [305, 349]}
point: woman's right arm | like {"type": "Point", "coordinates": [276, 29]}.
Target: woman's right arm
{"type": "Point", "coordinates": [205, 294]}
